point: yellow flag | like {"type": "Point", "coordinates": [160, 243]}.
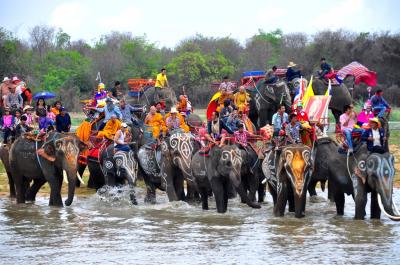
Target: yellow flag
{"type": "Point", "coordinates": [308, 94]}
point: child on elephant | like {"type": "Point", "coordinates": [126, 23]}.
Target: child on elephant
{"type": "Point", "coordinates": [241, 135]}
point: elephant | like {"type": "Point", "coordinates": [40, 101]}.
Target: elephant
{"type": "Point", "coordinates": [288, 175]}
{"type": "Point", "coordinates": [340, 96]}
{"type": "Point", "coordinates": [357, 175]}
{"type": "Point", "coordinates": [219, 172]}
{"type": "Point", "coordinates": [252, 174]}
{"type": "Point", "coordinates": [27, 165]}
{"type": "Point", "coordinates": [177, 152]}
{"type": "Point", "coordinates": [265, 99]}
{"type": "Point", "coordinates": [148, 97]}
{"type": "Point", "coordinates": [118, 167]}
{"type": "Point", "coordinates": [4, 156]}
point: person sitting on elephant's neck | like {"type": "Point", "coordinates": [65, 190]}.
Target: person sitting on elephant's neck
{"type": "Point", "coordinates": [279, 119]}
{"type": "Point", "coordinates": [214, 129]}
{"type": "Point", "coordinates": [63, 121]}
{"type": "Point", "coordinates": [7, 123]}
{"type": "Point", "coordinates": [121, 139]}
{"type": "Point", "coordinates": [161, 83]}
{"type": "Point", "coordinates": [127, 112]}
{"type": "Point", "coordinates": [379, 104]}
{"type": "Point", "coordinates": [109, 109]}
{"type": "Point", "coordinates": [292, 129]}
{"type": "Point", "coordinates": [375, 137]}
{"type": "Point", "coordinates": [325, 68]}
{"type": "Point", "coordinates": [270, 76]}
{"type": "Point", "coordinates": [291, 73]}
{"type": "Point", "coordinates": [22, 127]}
{"type": "Point", "coordinates": [241, 135]}
{"type": "Point", "coordinates": [347, 121]}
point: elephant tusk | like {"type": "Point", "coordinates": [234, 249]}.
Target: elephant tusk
{"type": "Point", "coordinates": [391, 217]}
{"type": "Point", "coordinates": [65, 177]}
{"type": "Point", "coordinates": [264, 181]}
{"type": "Point", "coordinates": [80, 179]}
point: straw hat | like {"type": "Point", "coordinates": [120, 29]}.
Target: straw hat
{"type": "Point", "coordinates": [15, 80]}
{"type": "Point", "coordinates": [291, 64]}
{"type": "Point", "coordinates": [124, 125]}
{"type": "Point", "coordinates": [5, 79]}
{"type": "Point", "coordinates": [173, 110]}
{"type": "Point", "coordinates": [376, 120]}
{"type": "Point", "coordinates": [27, 107]}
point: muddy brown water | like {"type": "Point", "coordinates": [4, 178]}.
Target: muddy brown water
{"type": "Point", "coordinates": [108, 230]}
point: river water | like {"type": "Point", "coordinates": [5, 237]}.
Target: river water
{"type": "Point", "coordinates": [102, 230]}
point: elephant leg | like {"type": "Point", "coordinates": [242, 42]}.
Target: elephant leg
{"type": "Point", "coordinates": [290, 197]}
{"type": "Point", "coordinates": [150, 194]}
{"type": "Point", "coordinates": [204, 198]}
{"type": "Point", "coordinates": [243, 195]}
{"type": "Point", "coordinates": [281, 199]}
{"type": "Point", "coordinates": [169, 183]}
{"type": "Point", "coordinates": [178, 185]}
{"type": "Point", "coordinates": [55, 192]}
{"type": "Point", "coordinates": [375, 210]}
{"type": "Point", "coordinates": [20, 186]}
{"type": "Point", "coordinates": [261, 189]}
{"type": "Point", "coordinates": [360, 200]}
{"type": "Point", "coordinates": [218, 191]}
{"type": "Point", "coordinates": [132, 195]}
{"type": "Point", "coordinates": [339, 200]}
{"type": "Point", "coordinates": [331, 196]}
{"type": "Point", "coordinates": [273, 193]}
{"type": "Point", "coordinates": [33, 190]}
{"type": "Point", "coordinates": [11, 184]}
{"type": "Point", "coordinates": [226, 196]}
{"type": "Point", "coordinates": [311, 187]}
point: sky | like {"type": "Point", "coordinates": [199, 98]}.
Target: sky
{"type": "Point", "coordinates": [168, 22]}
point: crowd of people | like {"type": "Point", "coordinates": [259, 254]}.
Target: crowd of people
{"type": "Point", "coordinates": [20, 114]}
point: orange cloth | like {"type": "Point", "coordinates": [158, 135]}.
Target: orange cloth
{"type": "Point", "coordinates": [55, 111]}
{"type": "Point", "coordinates": [182, 105]}
{"type": "Point", "coordinates": [83, 131]}
{"type": "Point", "coordinates": [156, 122]}
{"type": "Point", "coordinates": [183, 124]}
{"type": "Point", "coordinates": [241, 101]}
{"type": "Point", "coordinates": [110, 129]}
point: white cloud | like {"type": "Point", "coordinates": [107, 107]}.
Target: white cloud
{"type": "Point", "coordinates": [127, 20]}
{"type": "Point", "coordinates": [270, 13]}
{"type": "Point", "coordinates": [69, 16]}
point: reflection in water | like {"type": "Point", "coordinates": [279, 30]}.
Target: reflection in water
{"type": "Point", "coordinates": [103, 230]}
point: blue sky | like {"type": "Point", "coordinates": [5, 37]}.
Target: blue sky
{"type": "Point", "coordinates": [169, 21]}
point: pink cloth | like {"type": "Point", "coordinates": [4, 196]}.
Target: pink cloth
{"type": "Point", "coordinates": [350, 125]}
{"type": "Point", "coordinates": [241, 137]}
{"type": "Point", "coordinates": [29, 119]}
{"type": "Point", "coordinates": [360, 72]}
{"type": "Point", "coordinates": [51, 115]}
{"type": "Point", "coordinates": [7, 121]}
{"type": "Point", "coordinates": [364, 116]}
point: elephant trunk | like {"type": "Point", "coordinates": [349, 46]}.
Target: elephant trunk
{"type": "Point", "coordinates": [389, 209]}
{"type": "Point", "coordinates": [72, 177]}
{"type": "Point", "coordinates": [299, 204]}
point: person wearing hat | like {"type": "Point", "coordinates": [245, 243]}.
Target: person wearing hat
{"type": "Point", "coordinates": [110, 128]}
{"type": "Point", "coordinates": [4, 90]}
{"type": "Point", "coordinates": [173, 122]}
{"type": "Point", "coordinates": [375, 137]}
{"type": "Point", "coordinates": [28, 114]}
{"type": "Point", "coordinates": [180, 116]}
{"type": "Point", "coordinates": [109, 109]}
{"type": "Point", "coordinates": [63, 121]}
{"type": "Point", "coordinates": [121, 139]}
{"type": "Point", "coordinates": [291, 73]}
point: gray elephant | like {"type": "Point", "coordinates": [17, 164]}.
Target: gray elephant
{"type": "Point", "coordinates": [177, 152]}
{"type": "Point", "coordinates": [265, 99]}
{"type": "Point", "coordinates": [120, 167]}
{"type": "Point", "coordinates": [358, 175]}
{"type": "Point", "coordinates": [5, 158]}
{"type": "Point", "coordinates": [27, 165]}
{"type": "Point", "coordinates": [219, 172]}
{"type": "Point", "coordinates": [288, 175]}
{"type": "Point", "coordinates": [149, 98]}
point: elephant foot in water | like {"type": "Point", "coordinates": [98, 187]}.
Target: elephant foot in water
{"type": "Point", "coordinates": [317, 199]}
{"type": "Point", "coordinates": [254, 205]}
{"type": "Point", "coordinates": [150, 198]}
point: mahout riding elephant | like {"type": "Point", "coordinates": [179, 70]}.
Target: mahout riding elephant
{"type": "Point", "coordinates": [340, 96]}
{"type": "Point", "coordinates": [5, 158]}
{"type": "Point", "coordinates": [359, 174]}
{"type": "Point", "coordinates": [27, 165]}
{"type": "Point", "coordinates": [265, 100]}
{"type": "Point", "coordinates": [220, 170]}
{"type": "Point", "coordinates": [288, 174]}
{"type": "Point", "coordinates": [118, 167]}
{"type": "Point", "coordinates": [177, 152]}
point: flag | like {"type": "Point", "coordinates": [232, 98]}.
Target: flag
{"type": "Point", "coordinates": [308, 94]}
{"type": "Point", "coordinates": [299, 93]}
{"type": "Point", "coordinates": [329, 90]}
{"type": "Point", "coordinates": [213, 104]}
{"type": "Point", "coordinates": [360, 73]}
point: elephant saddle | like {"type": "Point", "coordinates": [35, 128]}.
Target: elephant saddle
{"type": "Point", "coordinates": [204, 150]}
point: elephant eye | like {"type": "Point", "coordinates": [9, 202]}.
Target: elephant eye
{"type": "Point", "coordinates": [386, 172]}
{"type": "Point", "coordinates": [361, 165]}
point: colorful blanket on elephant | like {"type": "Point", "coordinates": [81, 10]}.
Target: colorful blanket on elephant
{"type": "Point", "coordinates": [360, 73]}
{"type": "Point", "coordinates": [281, 72]}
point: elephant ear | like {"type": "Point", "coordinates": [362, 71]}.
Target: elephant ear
{"type": "Point", "coordinates": [213, 161]}
{"type": "Point", "coordinates": [49, 148]}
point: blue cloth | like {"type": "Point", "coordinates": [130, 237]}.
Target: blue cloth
{"type": "Point", "coordinates": [292, 74]}
{"type": "Point", "coordinates": [122, 147]}
{"type": "Point", "coordinates": [382, 109]}
{"type": "Point", "coordinates": [378, 101]}
{"type": "Point", "coordinates": [278, 120]}
{"type": "Point", "coordinates": [326, 68]}
{"type": "Point", "coordinates": [349, 139]}
{"type": "Point", "coordinates": [370, 144]}
{"type": "Point", "coordinates": [63, 123]}
{"type": "Point", "coordinates": [222, 125]}
{"type": "Point", "coordinates": [127, 113]}
{"type": "Point", "coordinates": [108, 112]}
